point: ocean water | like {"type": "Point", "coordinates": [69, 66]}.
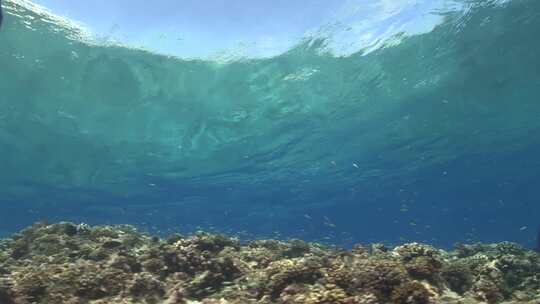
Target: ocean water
{"type": "Point", "coordinates": [432, 137]}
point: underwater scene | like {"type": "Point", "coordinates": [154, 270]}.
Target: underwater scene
{"type": "Point", "coordinates": [376, 158]}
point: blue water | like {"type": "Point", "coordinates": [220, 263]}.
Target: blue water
{"type": "Point", "coordinates": [433, 137]}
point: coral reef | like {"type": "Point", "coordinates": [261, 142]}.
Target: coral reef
{"type": "Point", "coordinates": [79, 264]}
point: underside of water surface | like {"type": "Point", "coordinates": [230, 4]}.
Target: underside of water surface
{"type": "Point", "coordinates": [431, 137]}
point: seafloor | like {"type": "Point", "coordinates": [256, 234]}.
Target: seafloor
{"type": "Point", "coordinates": [67, 263]}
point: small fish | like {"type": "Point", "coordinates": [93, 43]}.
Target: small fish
{"type": "Point", "coordinates": [538, 240]}
{"type": "Point", "coordinates": [328, 222]}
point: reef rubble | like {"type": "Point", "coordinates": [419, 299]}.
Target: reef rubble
{"type": "Point", "coordinates": [78, 264]}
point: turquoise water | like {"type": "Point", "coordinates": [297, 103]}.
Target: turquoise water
{"type": "Point", "coordinates": [432, 137]}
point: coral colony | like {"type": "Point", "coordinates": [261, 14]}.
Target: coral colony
{"type": "Point", "coordinates": [67, 263]}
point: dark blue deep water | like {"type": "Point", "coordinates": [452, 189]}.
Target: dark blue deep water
{"type": "Point", "coordinates": [433, 139]}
